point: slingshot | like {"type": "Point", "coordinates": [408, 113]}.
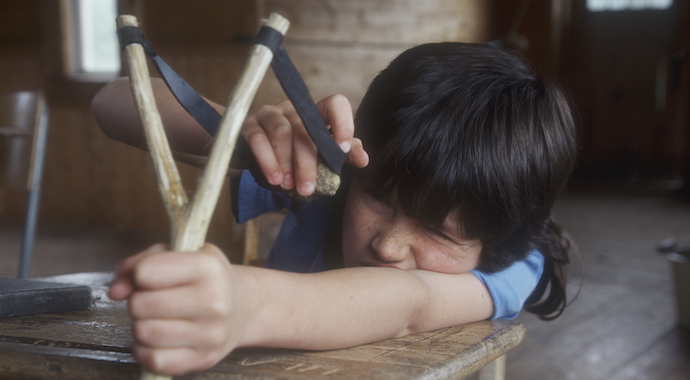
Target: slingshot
{"type": "Point", "coordinates": [189, 220]}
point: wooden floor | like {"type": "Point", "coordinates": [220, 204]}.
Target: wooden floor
{"type": "Point", "coordinates": [623, 324]}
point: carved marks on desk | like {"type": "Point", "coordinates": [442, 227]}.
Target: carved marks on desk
{"type": "Point", "coordinates": [438, 354]}
{"type": "Point", "coordinates": [300, 367]}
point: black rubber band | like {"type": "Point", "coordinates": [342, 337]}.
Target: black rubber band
{"type": "Point", "coordinates": [297, 92]}
{"type": "Point", "coordinates": [197, 107]}
{"type": "Point", "coordinates": [289, 79]}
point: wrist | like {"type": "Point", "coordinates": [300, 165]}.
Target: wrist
{"type": "Point", "coordinates": [249, 304]}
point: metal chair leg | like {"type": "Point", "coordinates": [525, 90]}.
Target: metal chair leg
{"type": "Point", "coordinates": [34, 195]}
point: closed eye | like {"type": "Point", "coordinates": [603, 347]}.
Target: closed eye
{"type": "Point", "coordinates": [440, 234]}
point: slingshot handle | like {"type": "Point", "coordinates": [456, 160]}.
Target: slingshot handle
{"type": "Point", "coordinates": [189, 221]}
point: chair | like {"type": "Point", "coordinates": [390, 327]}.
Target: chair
{"type": "Point", "coordinates": [23, 132]}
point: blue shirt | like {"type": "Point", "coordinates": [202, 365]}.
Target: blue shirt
{"type": "Point", "coordinates": [299, 244]}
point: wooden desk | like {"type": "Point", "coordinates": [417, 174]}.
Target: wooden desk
{"type": "Point", "coordinates": [94, 344]}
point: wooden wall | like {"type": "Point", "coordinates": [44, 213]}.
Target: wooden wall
{"type": "Point", "coordinates": [337, 45]}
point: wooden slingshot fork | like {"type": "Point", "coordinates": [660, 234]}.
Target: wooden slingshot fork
{"type": "Point", "coordinates": [189, 220]}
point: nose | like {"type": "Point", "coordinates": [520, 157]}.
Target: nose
{"type": "Point", "coordinates": [392, 244]}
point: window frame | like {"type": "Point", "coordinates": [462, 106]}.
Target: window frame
{"type": "Point", "coordinates": [61, 81]}
{"type": "Point", "coordinates": [627, 9]}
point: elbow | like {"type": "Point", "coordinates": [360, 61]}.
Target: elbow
{"type": "Point", "coordinates": [115, 113]}
{"type": "Point", "coordinates": [107, 104]}
{"type": "Point", "coordinates": [423, 314]}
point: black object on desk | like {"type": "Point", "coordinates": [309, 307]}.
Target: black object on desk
{"type": "Point", "coordinates": [24, 297]}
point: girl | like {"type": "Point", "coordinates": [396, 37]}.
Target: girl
{"type": "Point", "coordinates": [448, 224]}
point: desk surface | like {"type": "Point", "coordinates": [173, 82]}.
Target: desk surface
{"type": "Point", "coordinates": [95, 343]}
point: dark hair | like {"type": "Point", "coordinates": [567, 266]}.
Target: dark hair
{"type": "Point", "coordinates": [469, 128]}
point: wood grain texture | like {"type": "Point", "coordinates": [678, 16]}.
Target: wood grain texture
{"type": "Point", "coordinates": [382, 22]}
{"type": "Point", "coordinates": [77, 345]}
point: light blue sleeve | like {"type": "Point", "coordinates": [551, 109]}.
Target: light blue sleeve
{"type": "Point", "coordinates": [511, 287]}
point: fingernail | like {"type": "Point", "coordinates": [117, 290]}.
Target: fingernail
{"type": "Point", "coordinates": [345, 146]}
{"type": "Point", "coordinates": [276, 179]}
{"type": "Point", "coordinates": [306, 188]}
{"type": "Point", "coordinates": [287, 182]}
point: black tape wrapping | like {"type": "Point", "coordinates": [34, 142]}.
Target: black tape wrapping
{"type": "Point", "coordinates": [128, 35]}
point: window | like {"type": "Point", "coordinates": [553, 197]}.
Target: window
{"type": "Point", "coordinates": [93, 49]}
{"type": "Point", "coordinates": [626, 5]}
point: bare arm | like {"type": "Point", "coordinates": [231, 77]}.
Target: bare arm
{"type": "Point", "coordinates": [114, 110]}
{"type": "Point", "coordinates": [115, 113]}
{"type": "Point", "coordinates": [192, 309]}
{"type": "Point", "coordinates": [353, 306]}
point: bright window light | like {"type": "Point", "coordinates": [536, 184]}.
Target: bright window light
{"type": "Point", "coordinates": [95, 31]}
{"type": "Point", "coordinates": [626, 5]}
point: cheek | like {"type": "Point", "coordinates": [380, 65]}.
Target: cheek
{"type": "Point", "coordinates": [355, 235]}
{"type": "Point", "coordinates": [438, 260]}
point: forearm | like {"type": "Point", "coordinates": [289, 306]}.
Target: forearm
{"type": "Point", "coordinates": [114, 110]}
{"type": "Point", "coordinates": [353, 306]}
{"type": "Point", "coordinates": [190, 309]}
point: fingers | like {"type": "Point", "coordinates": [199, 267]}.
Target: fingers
{"type": "Point", "coordinates": [358, 157]}
{"type": "Point", "coordinates": [305, 158]}
{"type": "Point", "coordinates": [337, 113]}
{"type": "Point", "coordinates": [176, 333]}
{"type": "Point", "coordinates": [180, 303]}
{"type": "Point", "coordinates": [156, 269]}
{"type": "Point", "coordinates": [283, 149]}
{"type": "Point", "coordinates": [175, 361]}
{"type": "Point", "coordinates": [202, 299]}
{"type": "Point", "coordinates": [269, 136]}
{"type": "Point", "coordinates": [122, 285]}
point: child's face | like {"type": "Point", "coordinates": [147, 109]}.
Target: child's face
{"type": "Point", "coordinates": [376, 233]}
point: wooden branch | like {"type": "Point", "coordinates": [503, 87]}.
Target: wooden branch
{"type": "Point", "coordinates": [169, 184]}
{"type": "Point", "coordinates": [206, 196]}
{"type": "Point", "coordinates": [189, 221]}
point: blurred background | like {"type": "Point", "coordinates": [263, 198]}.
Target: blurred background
{"type": "Point", "coordinates": [623, 62]}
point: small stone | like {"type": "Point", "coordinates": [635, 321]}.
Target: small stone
{"type": "Point", "coordinates": [327, 184]}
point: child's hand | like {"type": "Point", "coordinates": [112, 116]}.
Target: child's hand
{"type": "Point", "coordinates": [183, 307]}
{"type": "Point", "coordinates": [284, 150]}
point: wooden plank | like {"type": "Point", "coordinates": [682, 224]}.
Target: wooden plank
{"type": "Point", "coordinates": [33, 362]}
{"type": "Point", "coordinates": [384, 21]}
{"type": "Point", "coordinates": [322, 68]}
{"type": "Point", "coordinates": [666, 359]}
